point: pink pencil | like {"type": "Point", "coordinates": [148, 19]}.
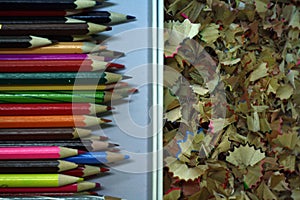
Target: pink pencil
{"type": "Point", "coordinates": [34, 153]}
{"type": "Point", "coordinates": [76, 187]}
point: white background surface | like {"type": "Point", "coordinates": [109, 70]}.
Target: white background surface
{"type": "Point", "coordinates": [131, 180]}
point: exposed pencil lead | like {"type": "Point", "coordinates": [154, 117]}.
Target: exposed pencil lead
{"type": "Point", "coordinates": [130, 17]}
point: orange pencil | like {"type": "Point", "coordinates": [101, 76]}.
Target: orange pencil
{"type": "Point", "coordinates": [50, 121]}
{"type": "Point", "coordinates": [58, 48]}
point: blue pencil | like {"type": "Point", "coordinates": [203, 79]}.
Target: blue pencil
{"type": "Point", "coordinates": [97, 158]}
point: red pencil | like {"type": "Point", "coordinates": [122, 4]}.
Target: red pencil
{"type": "Point", "coordinates": [56, 65]}
{"type": "Point", "coordinates": [52, 109]}
{"type": "Point", "coordinates": [76, 187]}
{"type": "Point", "coordinates": [85, 171]}
{"type": "Point", "coordinates": [33, 153]}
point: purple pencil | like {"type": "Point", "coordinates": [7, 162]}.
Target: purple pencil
{"type": "Point", "coordinates": [53, 57]}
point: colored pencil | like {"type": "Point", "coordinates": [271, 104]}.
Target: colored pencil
{"type": "Point", "coordinates": [96, 137]}
{"type": "Point", "coordinates": [46, 5]}
{"type": "Point", "coordinates": [85, 171]}
{"type": "Point", "coordinates": [90, 145]}
{"type": "Point", "coordinates": [44, 134]}
{"type": "Point", "coordinates": [76, 187]}
{"type": "Point", "coordinates": [52, 194]}
{"type": "Point", "coordinates": [23, 41]}
{"type": "Point", "coordinates": [36, 153]}
{"type": "Point", "coordinates": [54, 78]}
{"type": "Point", "coordinates": [60, 47]}
{"type": "Point", "coordinates": [52, 29]}
{"type": "Point", "coordinates": [68, 38]}
{"type": "Point", "coordinates": [95, 158]}
{"type": "Point", "coordinates": [25, 13]}
{"type": "Point", "coordinates": [38, 167]}
{"type": "Point", "coordinates": [52, 109]}
{"type": "Point", "coordinates": [47, 57]}
{"type": "Point", "coordinates": [58, 96]}
{"type": "Point", "coordinates": [103, 17]}
{"type": "Point", "coordinates": [50, 121]}
{"type": "Point", "coordinates": [38, 20]}
{"type": "Point", "coordinates": [77, 197]}
{"type": "Point", "coordinates": [37, 180]}
{"type": "Point", "coordinates": [108, 53]}
{"type": "Point", "coordinates": [63, 87]}
{"type": "Point", "coordinates": [57, 66]}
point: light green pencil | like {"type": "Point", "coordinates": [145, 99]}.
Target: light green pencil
{"type": "Point", "coordinates": [37, 180]}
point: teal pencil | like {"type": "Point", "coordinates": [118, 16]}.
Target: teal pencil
{"type": "Point", "coordinates": [60, 78]}
{"type": "Point", "coordinates": [59, 96]}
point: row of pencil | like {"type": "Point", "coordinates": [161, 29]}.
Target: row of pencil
{"type": "Point", "coordinates": [56, 82]}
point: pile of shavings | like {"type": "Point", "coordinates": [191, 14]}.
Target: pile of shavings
{"type": "Point", "coordinates": [232, 100]}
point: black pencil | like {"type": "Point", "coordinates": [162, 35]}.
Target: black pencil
{"type": "Point", "coordinates": [46, 4]}
{"type": "Point", "coordinates": [52, 29]}
{"type": "Point", "coordinates": [68, 38]}
{"type": "Point", "coordinates": [43, 134]}
{"type": "Point", "coordinates": [91, 145]}
{"type": "Point", "coordinates": [23, 41]}
{"type": "Point", "coordinates": [103, 17]}
{"type": "Point", "coordinates": [38, 166]}
{"type": "Point", "coordinates": [39, 20]}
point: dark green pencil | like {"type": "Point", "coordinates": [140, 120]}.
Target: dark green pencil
{"type": "Point", "coordinates": [54, 78]}
{"type": "Point", "coordinates": [58, 96]}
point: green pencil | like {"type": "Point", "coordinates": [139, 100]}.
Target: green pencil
{"type": "Point", "coordinates": [37, 180]}
{"type": "Point", "coordinates": [59, 96]}
{"type": "Point", "coordinates": [60, 78]}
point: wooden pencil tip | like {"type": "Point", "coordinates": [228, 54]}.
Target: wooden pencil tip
{"type": "Point", "coordinates": [109, 28]}
{"type": "Point", "coordinates": [126, 157]}
{"type": "Point", "coordinates": [130, 17]}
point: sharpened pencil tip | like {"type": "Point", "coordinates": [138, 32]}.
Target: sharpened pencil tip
{"type": "Point", "coordinates": [81, 152]}
{"type": "Point", "coordinates": [103, 138]}
{"type": "Point", "coordinates": [133, 90]}
{"type": "Point", "coordinates": [103, 169]}
{"type": "Point", "coordinates": [109, 28]}
{"type": "Point", "coordinates": [110, 108]}
{"type": "Point", "coordinates": [106, 120]}
{"type": "Point", "coordinates": [115, 65]}
{"type": "Point", "coordinates": [98, 3]}
{"type": "Point", "coordinates": [130, 17]}
{"type": "Point", "coordinates": [126, 157]}
{"type": "Point", "coordinates": [98, 185]}
{"type": "Point", "coordinates": [126, 77]}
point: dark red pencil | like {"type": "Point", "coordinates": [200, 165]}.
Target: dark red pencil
{"type": "Point", "coordinates": [85, 171]}
{"type": "Point", "coordinates": [52, 109]}
{"type": "Point", "coordinates": [57, 65]}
